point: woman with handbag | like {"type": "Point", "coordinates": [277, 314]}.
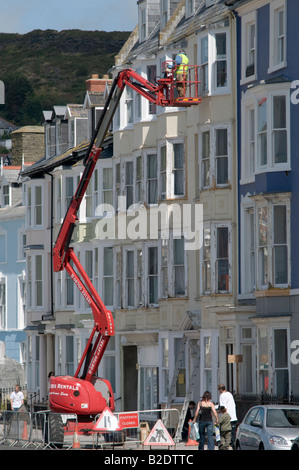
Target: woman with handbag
{"type": "Point", "coordinates": [204, 416]}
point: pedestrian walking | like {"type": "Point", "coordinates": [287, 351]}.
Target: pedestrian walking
{"type": "Point", "coordinates": [225, 429]}
{"type": "Point", "coordinates": [226, 399]}
{"type": "Point", "coordinates": [205, 412]}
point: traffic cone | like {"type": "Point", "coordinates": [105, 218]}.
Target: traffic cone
{"type": "Point", "coordinates": [76, 442]}
{"type": "Point", "coordinates": [190, 442]}
{"type": "Point", "coordinates": [25, 432]}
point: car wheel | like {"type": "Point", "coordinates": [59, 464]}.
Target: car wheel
{"type": "Point", "coordinates": [237, 445]}
{"type": "Point", "coordinates": [261, 446]}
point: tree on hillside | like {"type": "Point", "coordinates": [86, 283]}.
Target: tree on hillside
{"type": "Point", "coordinates": [21, 105]}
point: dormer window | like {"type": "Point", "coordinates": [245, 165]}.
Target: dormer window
{"type": "Point", "coordinates": [148, 17]}
{"type": "Point", "coordinates": [189, 8]}
{"type": "Point", "coordinates": [164, 13]}
{"type": "Point", "coordinates": [5, 195]}
{"type": "Point", "coordinates": [142, 23]}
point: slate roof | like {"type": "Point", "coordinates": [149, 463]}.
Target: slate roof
{"type": "Point", "coordinates": [176, 30]}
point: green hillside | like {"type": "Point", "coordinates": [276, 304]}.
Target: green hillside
{"type": "Point", "coordinates": [41, 69]}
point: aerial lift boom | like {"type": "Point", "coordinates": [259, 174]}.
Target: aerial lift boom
{"type": "Point", "coordinates": [85, 394]}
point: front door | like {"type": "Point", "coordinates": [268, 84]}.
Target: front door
{"type": "Point", "coordinates": [130, 378]}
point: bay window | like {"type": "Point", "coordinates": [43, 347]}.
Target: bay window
{"type": "Point", "coordinates": [265, 131]}
{"type": "Point", "coordinates": [265, 225]}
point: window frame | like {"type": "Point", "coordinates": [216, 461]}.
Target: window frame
{"type": "Point", "coordinates": [251, 100]}
{"type": "Point", "coordinates": [277, 6]}
{"type": "Point", "coordinates": [213, 89]}
{"type": "Point", "coordinates": [33, 290]}
{"type": "Point", "coordinates": [248, 21]}
{"type": "Point", "coordinates": [166, 371]}
{"type": "Point", "coordinates": [255, 203]}
{"type": "Point", "coordinates": [213, 129]}
{"type": "Point", "coordinates": [32, 206]}
{"type": "Point", "coordinates": [213, 227]}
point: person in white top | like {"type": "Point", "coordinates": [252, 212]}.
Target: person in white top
{"type": "Point", "coordinates": [227, 400]}
{"type": "Point", "coordinates": [16, 399]}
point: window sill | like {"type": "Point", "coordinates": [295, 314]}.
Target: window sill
{"type": "Point", "coordinates": [272, 292]}
{"type": "Point", "coordinates": [246, 80]}
{"type": "Point", "coordinates": [274, 68]}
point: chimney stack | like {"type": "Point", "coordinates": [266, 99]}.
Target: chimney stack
{"type": "Point", "coordinates": [96, 84]}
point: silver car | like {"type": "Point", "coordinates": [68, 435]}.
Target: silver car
{"type": "Point", "coordinates": [269, 427]}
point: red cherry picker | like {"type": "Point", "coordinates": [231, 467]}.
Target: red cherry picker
{"type": "Point", "coordinates": [85, 394]}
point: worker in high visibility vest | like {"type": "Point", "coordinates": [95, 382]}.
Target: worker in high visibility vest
{"type": "Point", "coordinates": [182, 62]}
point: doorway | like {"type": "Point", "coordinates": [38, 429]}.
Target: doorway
{"type": "Point", "coordinates": [130, 377]}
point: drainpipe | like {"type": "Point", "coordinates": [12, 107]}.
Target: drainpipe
{"type": "Point", "coordinates": [51, 314]}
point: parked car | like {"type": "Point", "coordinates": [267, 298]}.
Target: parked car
{"type": "Point", "coordinates": [269, 427]}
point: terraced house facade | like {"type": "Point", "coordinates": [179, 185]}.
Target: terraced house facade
{"type": "Point", "coordinates": [185, 313]}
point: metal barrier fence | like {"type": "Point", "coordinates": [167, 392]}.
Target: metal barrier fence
{"type": "Point", "coordinates": [43, 429]}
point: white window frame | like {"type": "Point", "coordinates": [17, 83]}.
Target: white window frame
{"type": "Point", "coordinates": [255, 203]}
{"type": "Point", "coordinates": [170, 170]}
{"type": "Point", "coordinates": [276, 324]}
{"type": "Point", "coordinates": [5, 193]}
{"type": "Point", "coordinates": [127, 279]}
{"type": "Point", "coordinates": [32, 295]}
{"type": "Point", "coordinates": [205, 69]}
{"type": "Point", "coordinates": [248, 141]}
{"type": "Point", "coordinates": [148, 180]}
{"type": "Point", "coordinates": [100, 206]}
{"type": "Point", "coordinates": [252, 99]}
{"type": "Point", "coordinates": [248, 234]}
{"type": "Point", "coordinates": [147, 246]}
{"type": "Point", "coordinates": [31, 216]}
{"type": "Point", "coordinates": [213, 258]}
{"type": "Point", "coordinates": [209, 375]}
{"type": "Point", "coordinates": [21, 300]}
{"type": "Point", "coordinates": [276, 6]}
{"type": "Point", "coordinates": [213, 157]}
{"type": "Point", "coordinates": [248, 21]}
{"type": "Point", "coordinates": [3, 317]}
{"type": "Point", "coordinates": [169, 369]}
{"type": "Point", "coordinates": [212, 88]}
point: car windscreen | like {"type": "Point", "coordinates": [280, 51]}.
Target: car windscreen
{"type": "Point", "coordinates": [282, 417]}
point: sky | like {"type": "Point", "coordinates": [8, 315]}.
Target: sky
{"type": "Point", "coordinates": [23, 16]}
